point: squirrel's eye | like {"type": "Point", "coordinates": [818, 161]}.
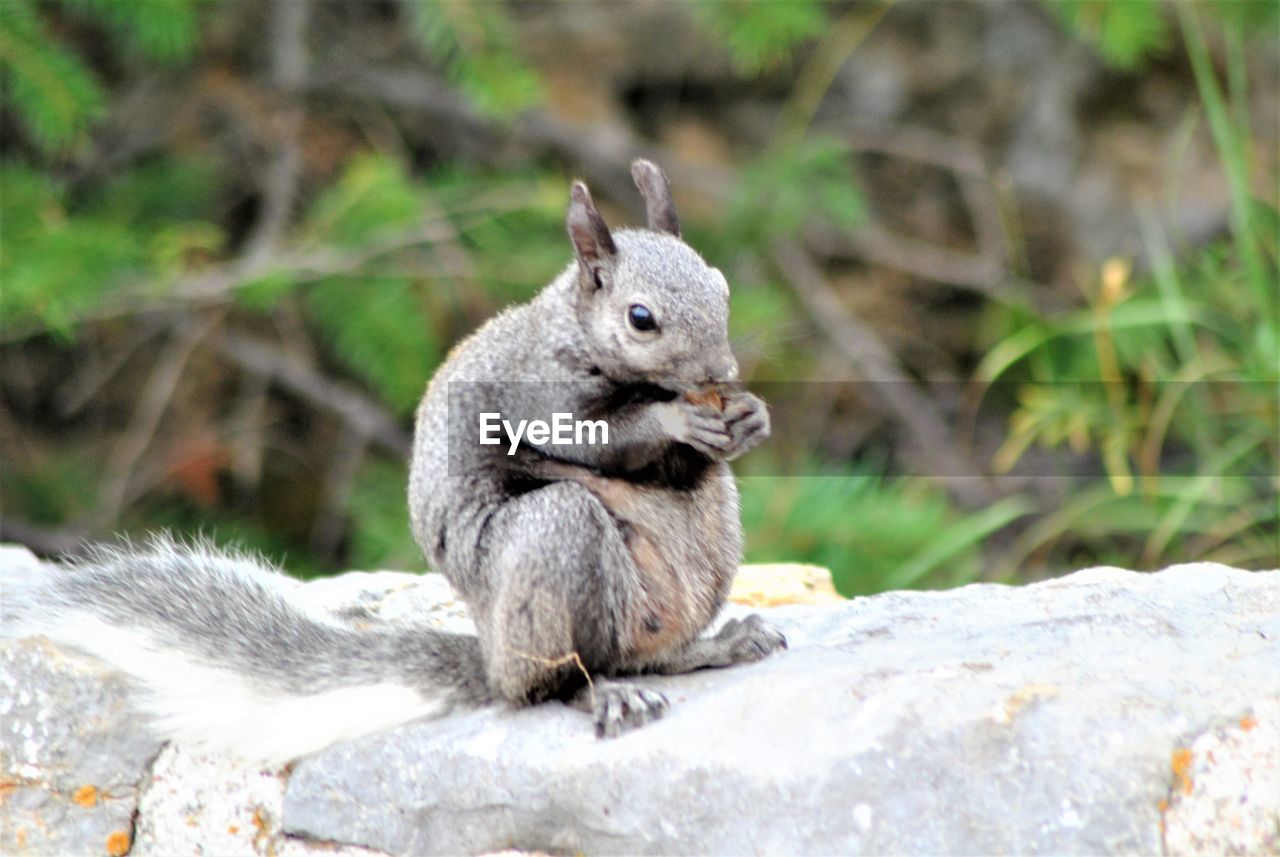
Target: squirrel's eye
{"type": "Point", "coordinates": [641, 318]}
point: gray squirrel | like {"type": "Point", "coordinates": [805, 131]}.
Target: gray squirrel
{"type": "Point", "coordinates": [580, 563]}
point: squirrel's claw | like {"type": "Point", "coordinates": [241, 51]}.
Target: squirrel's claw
{"type": "Point", "coordinates": [747, 420]}
{"type": "Point", "coordinates": [618, 707]}
{"type": "Point", "coordinates": [749, 639]}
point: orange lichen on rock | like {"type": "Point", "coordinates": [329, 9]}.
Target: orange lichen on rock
{"type": "Point", "coordinates": [262, 821]}
{"type": "Point", "coordinates": [1024, 696]}
{"type": "Point", "coordinates": [118, 844]}
{"type": "Point", "coordinates": [1181, 764]}
{"type": "Point", "coordinates": [1248, 722]}
{"type": "Point", "coordinates": [86, 796]}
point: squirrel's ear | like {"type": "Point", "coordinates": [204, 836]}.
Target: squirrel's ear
{"type": "Point", "coordinates": [656, 191]}
{"type": "Point", "coordinates": [590, 235]}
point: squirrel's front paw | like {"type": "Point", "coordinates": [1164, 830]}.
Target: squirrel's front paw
{"type": "Point", "coordinates": [700, 426]}
{"type": "Point", "coordinates": [618, 706]}
{"type": "Point", "coordinates": [725, 434]}
{"type": "Point", "coordinates": [751, 639]}
{"type": "Point", "coordinates": [747, 418]}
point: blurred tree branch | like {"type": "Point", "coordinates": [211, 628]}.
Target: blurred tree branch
{"type": "Point", "coordinates": [362, 414]}
{"type": "Point", "coordinates": [289, 71]}
{"type": "Point", "coordinates": [934, 449]}
{"type": "Point", "coordinates": [154, 400]}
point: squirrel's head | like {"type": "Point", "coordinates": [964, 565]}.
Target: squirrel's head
{"type": "Point", "coordinates": [649, 307]}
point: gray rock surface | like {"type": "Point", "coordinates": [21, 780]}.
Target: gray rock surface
{"type": "Point", "coordinates": [1103, 712]}
{"type": "Point", "coordinates": [72, 753]}
{"type": "Point", "coordinates": [982, 720]}
{"type": "Point", "coordinates": [1226, 787]}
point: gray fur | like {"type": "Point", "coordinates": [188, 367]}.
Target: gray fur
{"type": "Point", "coordinates": [609, 558]}
{"type": "Point", "coordinates": [232, 610]}
{"type": "Point", "coordinates": [600, 560]}
{"type": "Point", "coordinates": [656, 191]}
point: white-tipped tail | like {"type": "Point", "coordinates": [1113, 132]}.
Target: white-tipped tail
{"type": "Point", "coordinates": [207, 706]}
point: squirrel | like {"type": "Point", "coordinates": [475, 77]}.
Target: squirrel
{"type": "Point", "coordinates": [580, 563]}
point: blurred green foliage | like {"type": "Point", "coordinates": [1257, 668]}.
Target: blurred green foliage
{"type": "Point", "coordinates": [1181, 363]}
{"type": "Point", "coordinates": [47, 84]}
{"type": "Point", "coordinates": [63, 259]}
{"type": "Point", "coordinates": [477, 43]}
{"type": "Point", "coordinates": [783, 189]}
{"type": "Point", "coordinates": [1129, 33]}
{"type": "Point", "coordinates": [761, 36]}
{"type": "Point", "coordinates": [52, 88]}
{"type": "Point", "coordinates": [369, 268]}
{"type": "Point", "coordinates": [1126, 33]}
{"type": "Point", "coordinates": [873, 532]}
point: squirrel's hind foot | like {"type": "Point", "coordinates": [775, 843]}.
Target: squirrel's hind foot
{"type": "Point", "coordinates": [742, 641]}
{"type": "Point", "coordinates": [618, 706]}
{"type": "Point", "coordinates": [739, 641]}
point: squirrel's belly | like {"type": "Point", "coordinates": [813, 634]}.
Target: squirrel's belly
{"type": "Point", "coordinates": [678, 594]}
{"type": "Point", "coordinates": [671, 537]}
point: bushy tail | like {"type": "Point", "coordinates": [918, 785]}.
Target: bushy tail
{"type": "Point", "coordinates": [226, 657]}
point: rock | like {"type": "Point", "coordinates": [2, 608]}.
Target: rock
{"type": "Point", "coordinates": [982, 720]}
{"type": "Point", "coordinates": [1105, 711]}
{"type": "Point", "coordinates": [1226, 787]}
{"type": "Point", "coordinates": [197, 803]}
{"type": "Point", "coordinates": [774, 584]}
{"type": "Point", "coordinates": [72, 753]}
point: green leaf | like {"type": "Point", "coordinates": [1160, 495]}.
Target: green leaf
{"type": "Point", "coordinates": [1125, 32]}
{"type": "Point", "coordinates": [1258, 19]}
{"type": "Point", "coordinates": [960, 537]}
{"type": "Point", "coordinates": [158, 192]}
{"type": "Point", "coordinates": [49, 88]}
{"type": "Point", "coordinates": [869, 530]}
{"type": "Point", "coordinates": [762, 34]}
{"type": "Point", "coordinates": [784, 189]}
{"type": "Point", "coordinates": [478, 47]}
{"type": "Point", "coordinates": [372, 197]}
{"type": "Point", "coordinates": [264, 292]}
{"type": "Point", "coordinates": [59, 264]}
{"type": "Point", "coordinates": [55, 266]}
{"type": "Point", "coordinates": [379, 329]}
{"type": "Point", "coordinates": [1214, 472]}
{"type": "Point", "coordinates": [380, 532]}
{"type": "Point", "coordinates": [160, 30]}
{"type": "Point", "coordinates": [1132, 314]}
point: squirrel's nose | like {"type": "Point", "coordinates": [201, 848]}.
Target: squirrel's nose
{"type": "Point", "coordinates": [725, 372]}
